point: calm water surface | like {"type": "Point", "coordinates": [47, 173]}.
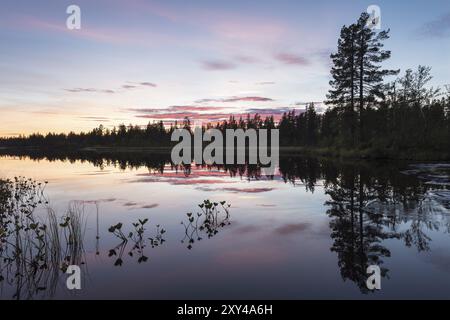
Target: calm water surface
{"type": "Point", "coordinates": [310, 231]}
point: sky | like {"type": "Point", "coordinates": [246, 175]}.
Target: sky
{"type": "Point", "coordinates": [135, 61]}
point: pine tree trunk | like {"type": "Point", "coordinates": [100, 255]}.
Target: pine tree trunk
{"type": "Point", "coordinates": [352, 99]}
{"type": "Point", "coordinates": [361, 92]}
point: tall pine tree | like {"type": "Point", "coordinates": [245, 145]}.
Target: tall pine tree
{"type": "Point", "coordinates": [357, 73]}
{"type": "Point", "coordinates": [370, 55]}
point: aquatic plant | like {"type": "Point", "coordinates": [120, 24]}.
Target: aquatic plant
{"type": "Point", "coordinates": [213, 216]}
{"type": "Point", "coordinates": [34, 249]}
{"type": "Point", "coordinates": [137, 239]}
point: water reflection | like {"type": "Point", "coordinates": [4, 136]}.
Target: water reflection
{"type": "Point", "coordinates": [357, 233]}
{"type": "Point", "coordinates": [367, 207]}
{"type": "Point", "coordinates": [370, 206]}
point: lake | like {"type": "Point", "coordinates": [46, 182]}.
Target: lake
{"type": "Point", "coordinates": [310, 231]}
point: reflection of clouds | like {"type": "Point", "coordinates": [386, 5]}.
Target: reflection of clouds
{"type": "Point", "coordinates": [195, 177]}
{"type": "Point", "coordinates": [199, 171]}
{"type": "Point", "coordinates": [292, 228]}
{"type": "Point", "coordinates": [194, 173]}
{"type": "Point", "coordinates": [237, 190]}
{"type": "Point", "coordinates": [199, 181]}
{"type": "Point", "coordinates": [130, 204]}
{"type": "Point", "coordinates": [180, 181]}
{"type": "Point", "coordinates": [150, 206]}
{"type": "Point", "coordinates": [136, 205]}
{"type": "Point", "coordinates": [97, 201]}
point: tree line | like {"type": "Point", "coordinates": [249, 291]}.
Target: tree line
{"type": "Point", "coordinates": [367, 113]}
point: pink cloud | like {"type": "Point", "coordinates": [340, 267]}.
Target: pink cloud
{"type": "Point", "coordinates": [207, 113]}
{"type": "Point", "coordinates": [247, 99]}
{"type": "Point", "coordinates": [248, 190]}
{"type": "Point", "coordinates": [195, 108]}
{"type": "Point", "coordinates": [180, 181]}
{"type": "Point", "coordinates": [195, 173]}
{"type": "Point", "coordinates": [236, 99]}
{"type": "Point", "coordinates": [190, 115]}
{"type": "Point", "coordinates": [177, 109]}
{"type": "Point", "coordinates": [292, 59]}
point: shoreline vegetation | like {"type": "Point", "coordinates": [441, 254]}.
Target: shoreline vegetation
{"type": "Point", "coordinates": [369, 115]}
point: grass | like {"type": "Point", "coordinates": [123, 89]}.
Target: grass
{"type": "Point", "coordinates": [35, 249]}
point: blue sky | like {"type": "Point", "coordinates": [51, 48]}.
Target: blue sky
{"type": "Point", "coordinates": [136, 60]}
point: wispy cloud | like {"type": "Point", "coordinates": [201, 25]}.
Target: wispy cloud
{"type": "Point", "coordinates": [231, 63]}
{"type": "Point", "coordinates": [128, 86]}
{"type": "Point", "coordinates": [188, 108]}
{"type": "Point", "coordinates": [148, 84]}
{"type": "Point", "coordinates": [134, 85]}
{"type": "Point", "coordinates": [268, 111]}
{"type": "Point", "coordinates": [291, 59]}
{"type": "Point", "coordinates": [89, 90]}
{"type": "Point", "coordinates": [218, 65]}
{"type": "Point", "coordinates": [208, 117]}
{"type": "Point", "coordinates": [94, 118]}
{"type": "Point", "coordinates": [248, 99]}
{"type": "Point", "coordinates": [205, 113]}
{"type": "Point", "coordinates": [438, 28]}
{"type": "Point", "coordinates": [236, 99]}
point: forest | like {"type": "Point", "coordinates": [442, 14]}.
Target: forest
{"type": "Point", "coordinates": [371, 112]}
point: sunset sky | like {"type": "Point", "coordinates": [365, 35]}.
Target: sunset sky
{"type": "Point", "coordinates": [135, 60]}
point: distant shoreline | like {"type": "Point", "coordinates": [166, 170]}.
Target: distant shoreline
{"type": "Point", "coordinates": [356, 154]}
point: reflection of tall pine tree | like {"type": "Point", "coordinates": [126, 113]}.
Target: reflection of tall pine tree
{"type": "Point", "coordinates": [357, 233]}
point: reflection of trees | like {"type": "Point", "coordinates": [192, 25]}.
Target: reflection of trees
{"type": "Point", "coordinates": [306, 170]}
{"type": "Point", "coordinates": [155, 162]}
{"type": "Point", "coordinates": [357, 233]}
{"type": "Point", "coordinates": [369, 206]}
{"type": "Point", "coordinates": [369, 203]}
